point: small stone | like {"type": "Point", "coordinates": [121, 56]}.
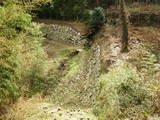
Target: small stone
{"type": "Point", "coordinates": [59, 109]}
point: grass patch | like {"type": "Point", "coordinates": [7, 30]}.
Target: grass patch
{"type": "Point", "coordinates": [73, 68]}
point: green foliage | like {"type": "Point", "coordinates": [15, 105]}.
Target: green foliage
{"type": "Point", "coordinates": [35, 66]}
{"type": "Point", "coordinates": [149, 67]}
{"type": "Point", "coordinates": [35, 72]}
{"type": "Point", "coordinates": [23, 62]}
{"type": "Point", "coordinates": [123, 94]}
{"type": "Point", "coordinates": [149, 61]}
{"type": "Point", "coordinates": [9, 71]}
{"type": "Point", "coordinates": [73, 68]}
{"type": "Point", "coordinates": [13, 19]}
{"type": "Point", "coordinates": [96, 19]}
{"type": "Point", "coordinates": [63, 9]}
{"type": "Point", "coordinates": [9, 2]}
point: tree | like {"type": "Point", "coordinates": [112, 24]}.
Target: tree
{"type": "Point", "coordinates": [27, 5]}
{"type": "Point", "coordinates": [69, 9]}
{"type": "Point", "coordinates": [96, 19]}
{"type": "Point", "coordinates": [97, 3]}
{"type": "Point", "coordinates": [124, 27]}
{"type": "Point", "coordinates": [9, 71]}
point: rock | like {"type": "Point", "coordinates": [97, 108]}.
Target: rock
{"type": "Point", "coordinates": [65, 33]}
{"type": "Point", "coordinates": [81, 113]}
{"type": "Point", "coordinates": [80, 50]}
{"type": "Point", "coordinates": [59, 109]}
{"type": "Point", "coordinates": [45, 107]}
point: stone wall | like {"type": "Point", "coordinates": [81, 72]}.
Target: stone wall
{"type": "Point", "coordinates": [64, 33]}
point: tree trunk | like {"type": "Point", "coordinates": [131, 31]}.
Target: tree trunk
{"type": "Point", "coordinates": [97, 3]}
{"type": "Point", "coordinates": [124, 28]}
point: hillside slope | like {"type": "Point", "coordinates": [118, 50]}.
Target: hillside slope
{"type": "Point", "coordinates": [101, 81]}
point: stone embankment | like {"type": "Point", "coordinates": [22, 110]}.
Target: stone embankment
{"type": "Point", "coordinates": [62, 33]}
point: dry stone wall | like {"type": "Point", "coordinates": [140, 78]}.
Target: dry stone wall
{"type": "Point", "coordinates": [64, 33]}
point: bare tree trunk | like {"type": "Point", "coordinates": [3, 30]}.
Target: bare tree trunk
{"type": "Point", "coordinates": [1, 1]}
{"type": "Point", "coordinates": [124, 28]}
{"type": "Point", "coordinates": [97, 3]}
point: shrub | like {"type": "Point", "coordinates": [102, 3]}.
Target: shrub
{"type": "Point", "coordinates": [96, 19]}
{"type": "Point", "coordinates": [149, 66]}
{"type": "Point", "coordinates": [36, 75]}
{"type": "Point", "coordinates": [9, 71]}
{"type": "Point", "coordinates": [13, 20]}
{"type": "Point", "coordinates": [149, 60]}
{"type": "Point", "coordinates": [35, 67]}
{"type": "Point", "coordinates": [21, 51]}
{"type": "Point", "coordinates": [123, 94]}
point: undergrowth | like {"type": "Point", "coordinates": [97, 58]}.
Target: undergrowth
{"type": "Point", "coordinates": [130, 91]}
{"type": "Point", "coordinates": [24, 65]}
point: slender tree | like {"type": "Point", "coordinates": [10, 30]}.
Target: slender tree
{"type": "Point", "coordinates": [97, 3]}
{"type": "Point", "coordinates": [124, 27]}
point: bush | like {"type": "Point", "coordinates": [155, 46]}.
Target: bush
{"type": "Point", "coordinates": [96, 19]}
{"type": "Point", "coordinates": [35, 67]}
{"type": "Point", "coordinates": [9, 71]}
{"type": "Point", "coordinates": [13, 20]}
{"type": "Point", "coordinates": [149, 61]}
{"type": "Point", "coordinates": [23, 61]}
{"type": "Point", "coordinates": [123, 94]}
{"type": "Point", "coordinates": [36, 72]}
